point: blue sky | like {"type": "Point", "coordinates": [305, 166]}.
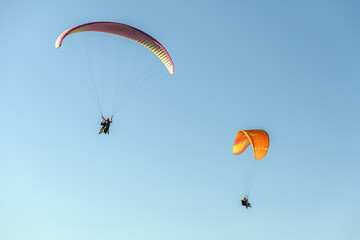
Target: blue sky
{"type": "Point", "coordinates": [167, 170]}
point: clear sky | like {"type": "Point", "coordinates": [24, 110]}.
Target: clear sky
{"type": "Point", "coordinates": [166, 171]}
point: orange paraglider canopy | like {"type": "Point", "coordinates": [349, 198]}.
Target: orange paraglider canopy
{"type": "Point", "coordinates": [259, 140]}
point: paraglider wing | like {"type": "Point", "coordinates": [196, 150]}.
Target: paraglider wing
{"type": "Point", "coordinates": [124, 31]}
{"type": "Point", "coordinates": [259, 140]}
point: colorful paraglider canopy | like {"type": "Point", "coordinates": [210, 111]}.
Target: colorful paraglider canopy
{"type": "Point", "coordinates": [124, 31]}
{"type": "Point", "coordinates": [259, 140]}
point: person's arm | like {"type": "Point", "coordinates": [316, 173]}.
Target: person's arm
{"type": "Point", "coordinates": [103, 118]}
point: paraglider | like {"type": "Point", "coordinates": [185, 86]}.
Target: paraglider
{"type": "Point", "coordinates": [122, 90]}
{"type": "Point", "coordinates": [245, 202]}
{"type": "Point", "coordinates": [259, 140]}
{"type": "Point", "coordinates": [105, 125]}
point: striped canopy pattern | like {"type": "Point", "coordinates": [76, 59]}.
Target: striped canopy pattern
{"type": "Point", "coordinates": [259, 140]}
{"type": "Point", "coordinates": [124, 31]}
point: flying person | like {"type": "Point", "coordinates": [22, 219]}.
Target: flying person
{"type": "Point", "coordinates": [245, 202]}
{"type": "Point", "coordinates": [102, 127]}
{"type": "Point", "coordinates": [105, 125]}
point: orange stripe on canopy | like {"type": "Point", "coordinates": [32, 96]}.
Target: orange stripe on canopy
{"type": "Point", "coordinates": [259, 140]}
